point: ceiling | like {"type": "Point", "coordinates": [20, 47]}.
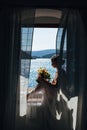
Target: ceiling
{"type": "Point", "coordinates": [40, 16]}
{"type": "Point", "coordinates": [44, 3]}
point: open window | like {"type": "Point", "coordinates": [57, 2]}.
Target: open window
{"type": "Point", "coordinates": [44, 19]}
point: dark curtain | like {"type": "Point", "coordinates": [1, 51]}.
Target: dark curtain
{"type": "Point", "coordinates": [9, 52]}
{"type": "Point", "coordinates": [73, 34]}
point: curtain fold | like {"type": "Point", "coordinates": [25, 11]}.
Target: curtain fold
{"type": "Point", "coordinates": [10, 43]}
{"type": "Point", "coordinates": [70, 29]}
{"type": "Point", "coordinates": [27, 24]}
{"type": "Point", "coordinates": [74, 33]}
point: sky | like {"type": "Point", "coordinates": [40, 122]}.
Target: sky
{"type": "Point", "coordinates": [44, 38]}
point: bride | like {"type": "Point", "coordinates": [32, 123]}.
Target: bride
{"type": "Point", "coordinates": [51, 90]}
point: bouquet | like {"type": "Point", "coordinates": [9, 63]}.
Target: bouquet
{"type": "Point", "coordinates": [43, 72]}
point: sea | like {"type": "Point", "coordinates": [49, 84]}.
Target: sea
{"type": "Point", "coordinates": [35, 65]}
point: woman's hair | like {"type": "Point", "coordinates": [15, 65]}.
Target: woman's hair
{"type": "Point", "coordinates": [56, 59]}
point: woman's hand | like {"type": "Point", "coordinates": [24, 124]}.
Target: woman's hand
{"type": "Point", "coordinates": [54, 82]}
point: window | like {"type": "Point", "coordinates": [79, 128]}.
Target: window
{"type": "Point", "coordinates": [35, 54]}
{"type": "Point", "coordinates": [43, 46]}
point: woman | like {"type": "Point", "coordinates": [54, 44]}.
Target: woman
{"type": "Point", "coordinates": [54, 111]}
{"type": "Point", "coordinates": [51, 88]}
{"type": "Point", "coordinates": [43, 83]}
{"type": "Point", "coordinates": [59, 79]}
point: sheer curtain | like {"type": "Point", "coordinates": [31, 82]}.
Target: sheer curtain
{"type": "Point", "coordinates": [27, 24]}
{"type": "Point", "coordinates": [73, 35]}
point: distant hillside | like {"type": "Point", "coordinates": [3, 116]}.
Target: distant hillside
{"type": "Point", "coordinates": [48, 56]}
{"type": "Point", "coordinates": [43, 53]}
{"type": "Point", "coordinates": [39, 54]}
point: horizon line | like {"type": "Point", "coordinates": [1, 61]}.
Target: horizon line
{"type": "Point", "coordinates": [44, 49]}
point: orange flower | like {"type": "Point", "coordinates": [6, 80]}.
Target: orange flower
{"type": "Point", "coordinates": [44, 73]}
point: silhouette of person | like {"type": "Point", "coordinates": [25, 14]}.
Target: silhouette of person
{"type": "Point", "coordinates": [51, 87]}
{"type": "Point", "coordinates": [50, 103]}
